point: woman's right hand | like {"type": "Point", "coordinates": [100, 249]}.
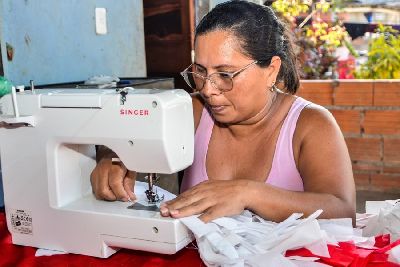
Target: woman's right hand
{"type": "Point", "coordinates": [112, 181]}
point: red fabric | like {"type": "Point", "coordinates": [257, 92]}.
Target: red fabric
{"type": "Point", "coordinates": [348, 255]}
{"type": "Point", "coordinates": [20, 256]}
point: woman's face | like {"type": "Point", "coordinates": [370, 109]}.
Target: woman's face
{"type": "Point", "coordinates": [220, 51]}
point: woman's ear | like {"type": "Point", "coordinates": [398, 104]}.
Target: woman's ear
{"type": "Point", "coordinates": [273, 69]}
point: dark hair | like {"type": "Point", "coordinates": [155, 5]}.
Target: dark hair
{"type": "Point", "coordinates": [261, 35]}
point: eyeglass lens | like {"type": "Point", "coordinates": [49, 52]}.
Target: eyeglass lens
{"type": "Point", "coordinates": [221, 81]}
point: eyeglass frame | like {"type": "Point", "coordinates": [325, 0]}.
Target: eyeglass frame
{"type": "Point", "coordinates": [205, 78]}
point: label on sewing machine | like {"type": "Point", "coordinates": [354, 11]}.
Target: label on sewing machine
{"type": "Point", "coordinates": [21, 222]}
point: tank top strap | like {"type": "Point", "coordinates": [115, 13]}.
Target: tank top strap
{"type": "Point", "coordinates": [284, 173]}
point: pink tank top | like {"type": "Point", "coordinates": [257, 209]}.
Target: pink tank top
{"type": "Point", "coordinates": [283, 174]}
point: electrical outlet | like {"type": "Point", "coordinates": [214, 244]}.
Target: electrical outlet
{"type": "Point", "coordinates": [101, 20]}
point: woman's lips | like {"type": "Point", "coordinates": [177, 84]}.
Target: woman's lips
{"type": "Point", "coordinates": [216, 108]}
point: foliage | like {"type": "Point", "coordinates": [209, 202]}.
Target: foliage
{"type": "Point", "coordinates": [317, 41]}
{"type": "Point", "coordinates": [321, 34]}
{"type": "Point", "coordinates": [291, 9]}
{"type": "Point", "coordinates": [383, 56]}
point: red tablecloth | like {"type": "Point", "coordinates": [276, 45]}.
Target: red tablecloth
{"type": "Point", "coordinates": [20, 256]}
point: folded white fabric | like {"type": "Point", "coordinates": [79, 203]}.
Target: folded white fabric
{"type": "Point", "coordinates": [249, 240]}
{"type": "Point", "coordinates": [341, 230]}
{"type": "Point", "coordinates": [386, 219]}
{"type": "Point", "coordinates": [394, 254]}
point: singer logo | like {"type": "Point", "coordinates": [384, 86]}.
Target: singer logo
{"type": "Point", "coordinates": [134, 112]}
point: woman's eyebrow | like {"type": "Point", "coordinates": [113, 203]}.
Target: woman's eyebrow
{"type": "Point", "coordinates": [199, 65]}
{"type": "Point", "coordinates": [221, 66]}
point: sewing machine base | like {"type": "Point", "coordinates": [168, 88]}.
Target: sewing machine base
{"type": "Point", "coordinates": [101, 227]}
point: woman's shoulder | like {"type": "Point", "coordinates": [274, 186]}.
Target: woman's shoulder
{"type": "Point", "coordinates": [316, 114]}
{"type": "Point", "coordinates": [314, 120]}
{"type": "Point", "coordinates": [316, 127]}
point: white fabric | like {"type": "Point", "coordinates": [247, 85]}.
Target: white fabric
{"type": "Point", "coordinates": [47, 252]}
{"type": "Point", "coordinates": [341, 230]}
{"type": "Point", "coordinates": [394, 254]}
{"type": "Point", "coordinates": [387, 220]}
{"type": "Point", "coordinates": [249, 240]}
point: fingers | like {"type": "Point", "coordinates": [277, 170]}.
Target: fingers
{"type": "Point", "coordinates": [116, 177]}
{"type": "Point", "coordinates": [99, 181]}
{"type": "Point", "coordinates": [194, 208]}
{"type": "Point", "coordinates": [207, 210]}
{"type": "Point", "coordinates": [189, 203]}
{"type": "Point", "coordinates": [185, 199]}
{"type": "Point", "coordinates": [112, 181]}
{"type": "Point", "coordinates": [210, 199]}
{"type": "Point", "coordinates": [129, 184]}
{"type": "Point", "coordinates": [164, 210]}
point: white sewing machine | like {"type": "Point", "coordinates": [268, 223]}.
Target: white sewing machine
{"type": "Point", "coordinates": [47, 160]}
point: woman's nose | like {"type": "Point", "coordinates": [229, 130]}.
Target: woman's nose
{"type": "Point", "coordinates": [210, 88]}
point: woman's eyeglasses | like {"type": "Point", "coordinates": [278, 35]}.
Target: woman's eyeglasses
{"type": "Point", "coordinates": [223, 81]}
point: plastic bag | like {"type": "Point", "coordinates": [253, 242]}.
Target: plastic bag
{"type": "Point", "coordinates": [5, 86]}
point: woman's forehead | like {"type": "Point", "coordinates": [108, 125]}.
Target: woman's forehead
{"type": "Point", "coordinates": [217, 47]}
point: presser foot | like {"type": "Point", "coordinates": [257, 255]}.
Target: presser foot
{"type": "Point", "coordinates": [152, 200]}
{"type": "Point", "coordinates": [153, 197]}
{"type": "Point", "coordinates": [151, 194]}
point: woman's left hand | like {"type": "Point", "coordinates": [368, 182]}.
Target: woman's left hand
{"type": "Point", "coordinates": [214, 199]}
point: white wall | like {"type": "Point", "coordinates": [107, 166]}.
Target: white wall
{"type": "Point", "coordinates": [56, 41]}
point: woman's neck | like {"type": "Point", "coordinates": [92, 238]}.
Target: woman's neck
{"type": "Point", "coordinates": [259, 122]}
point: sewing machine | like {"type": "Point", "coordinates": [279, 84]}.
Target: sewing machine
{"type": "Point", "coordinates": [47, 154]}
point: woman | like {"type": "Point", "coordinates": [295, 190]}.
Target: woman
{"type": "Point", "coordinates": [256, 147]}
